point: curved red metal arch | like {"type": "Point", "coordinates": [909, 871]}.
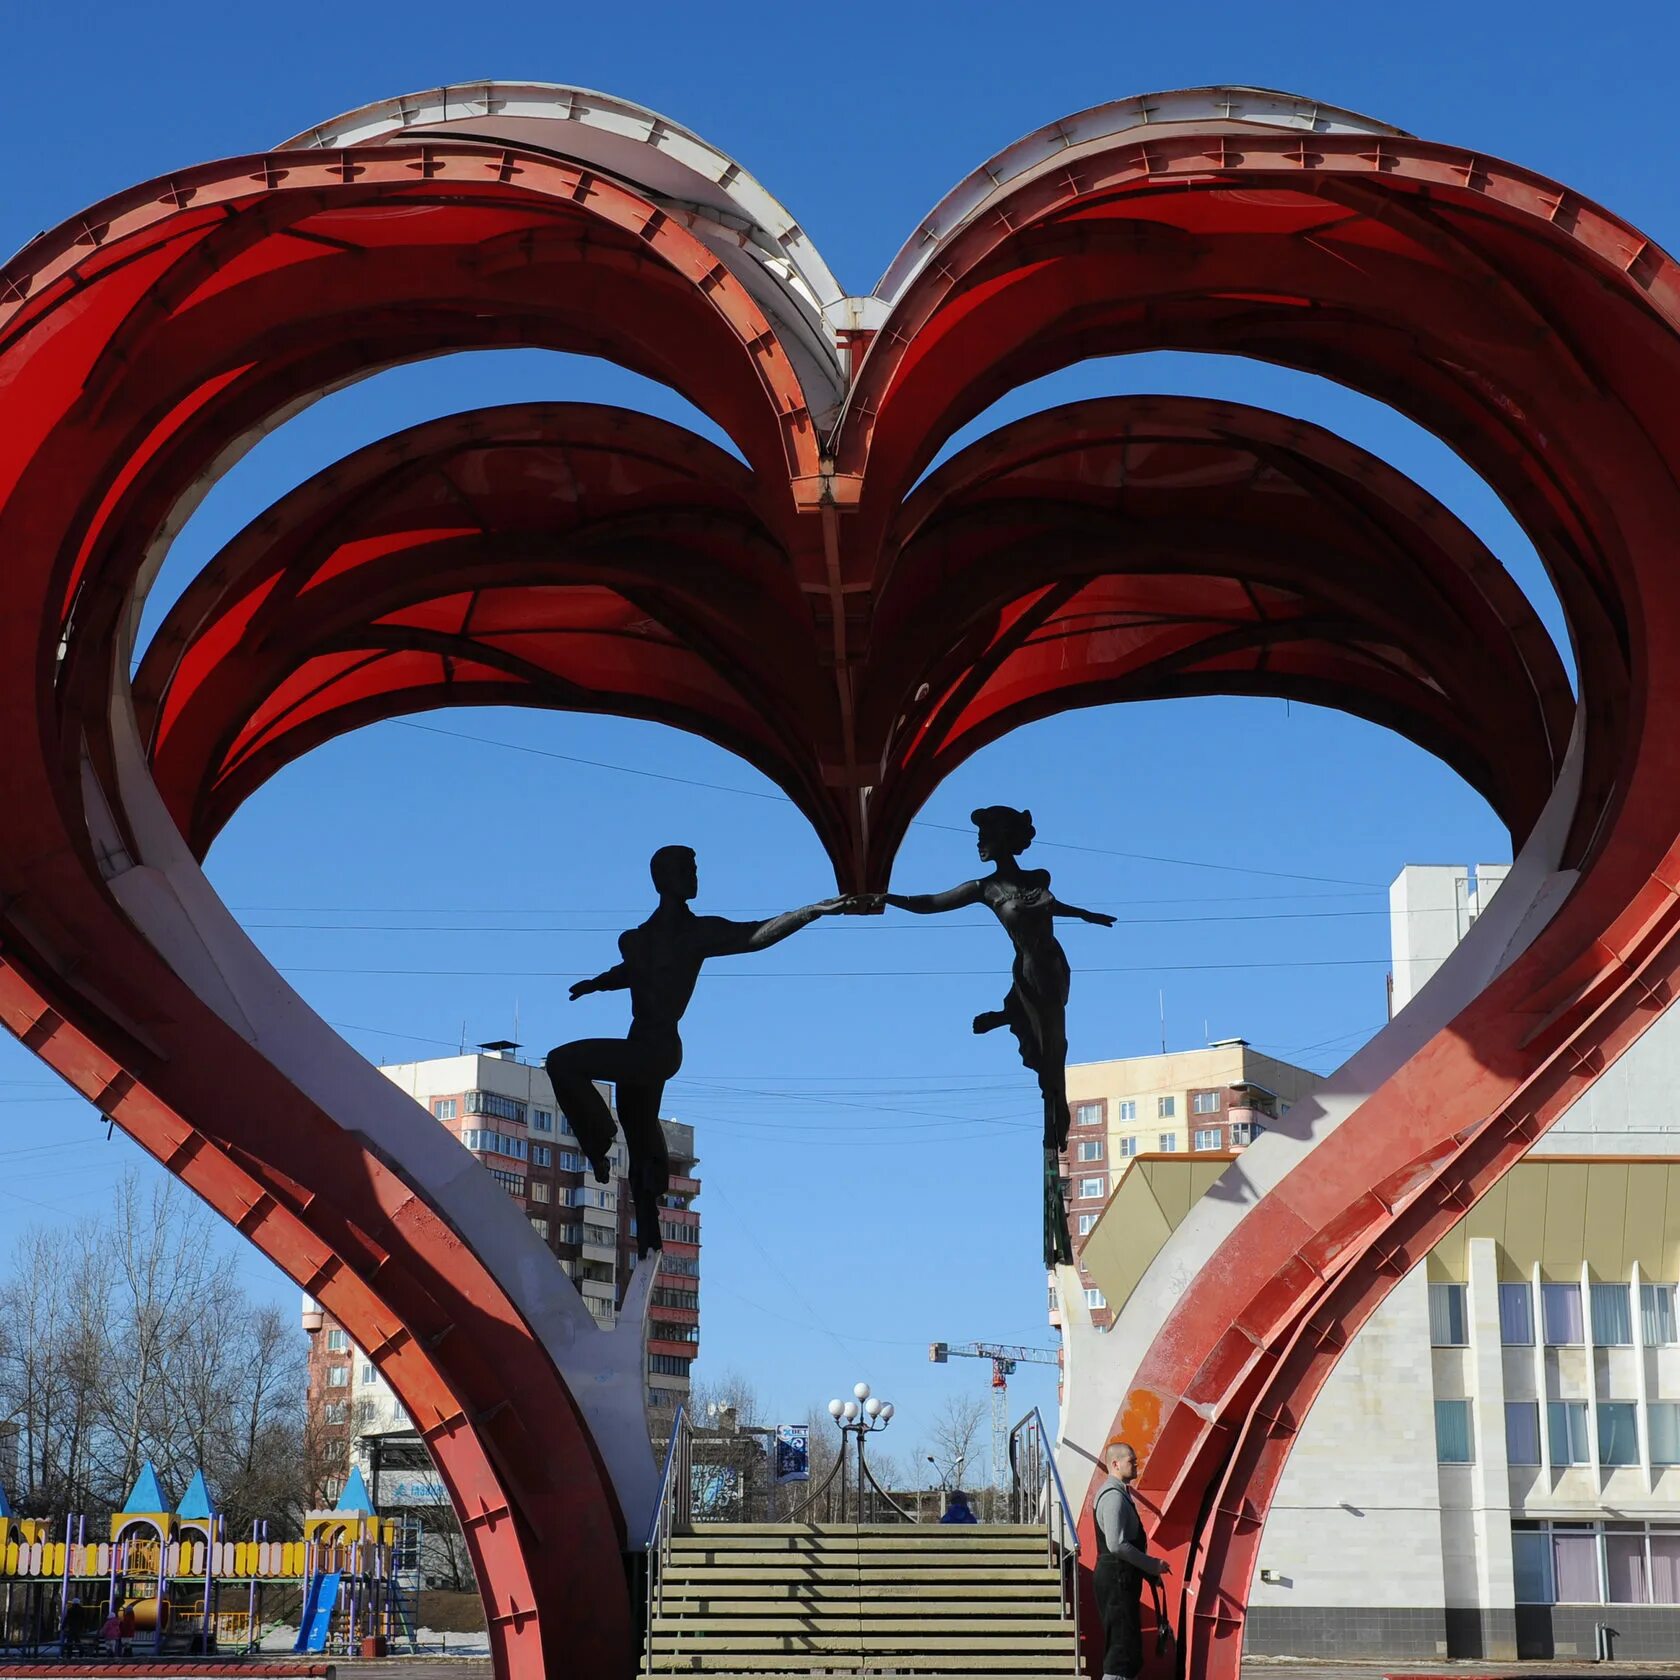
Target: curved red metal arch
{"type": "Point", "coordinates": [564, 555]}
{"type": "Point", "coordinates": [585, 559]}
{"type": "Point", "coordinates": [1540, 336]}
{"type": "Point", "coordinates": [136, 345]}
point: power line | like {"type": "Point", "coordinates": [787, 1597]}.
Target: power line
{"type": "Point", "coordinates": [825, 973]}
{"type": "Point", "coordinates": [944, 828]}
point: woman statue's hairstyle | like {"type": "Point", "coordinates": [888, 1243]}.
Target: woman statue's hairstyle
{"type": "Point", "coordinates": [1012, 829]}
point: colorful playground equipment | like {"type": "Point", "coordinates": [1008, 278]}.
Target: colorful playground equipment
{"type": "Point", "coordinates": [181, 1576]}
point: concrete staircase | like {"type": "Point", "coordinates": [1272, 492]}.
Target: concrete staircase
{"type": "Point", "coordinates": [888, 1599]}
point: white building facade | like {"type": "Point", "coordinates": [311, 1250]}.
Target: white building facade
{"type": "Point", "coordinates": [1493, 1468]}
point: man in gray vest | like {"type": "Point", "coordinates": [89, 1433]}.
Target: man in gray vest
{"type": "Point", "coordinates": [1123, 1564]}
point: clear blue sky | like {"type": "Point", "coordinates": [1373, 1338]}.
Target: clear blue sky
{"type": "Point", "coordinates": [870, 1168]}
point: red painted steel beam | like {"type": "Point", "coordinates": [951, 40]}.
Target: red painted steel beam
{"type": "Point", "coordinates": [134, 346]}
{"type": "Point", "coordinates": [1539, 336]}
{"type": "Point", "coordinates": [1536, 333]}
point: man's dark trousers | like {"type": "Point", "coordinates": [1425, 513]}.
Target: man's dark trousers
{"type": "Point", "coordinates": [1119, 1590]}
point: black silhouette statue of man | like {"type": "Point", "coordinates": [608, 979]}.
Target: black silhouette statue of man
{"type": "Point", "coordinates": [659, 966]}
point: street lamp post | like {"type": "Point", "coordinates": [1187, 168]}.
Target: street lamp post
{"type": "Point", "coordinates": [864, 1414]}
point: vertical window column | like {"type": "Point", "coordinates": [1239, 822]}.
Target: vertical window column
{"type": "Point", "coordinates": [1590, 1343]}
{"type": "Point", "coordinates": [1540, 1388]}
{"type": "Point", "coordinates": [1641, 1380]}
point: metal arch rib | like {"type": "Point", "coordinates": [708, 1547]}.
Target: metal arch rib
{"type": "Point", "coordinates": [744, 224]}
{"type": "Point", "coordinates": [1053, 144]}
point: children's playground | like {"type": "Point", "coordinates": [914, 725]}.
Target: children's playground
{"type": "Point", "coordinates": [181, 1583]}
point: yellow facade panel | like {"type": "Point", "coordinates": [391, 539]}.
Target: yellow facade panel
{"type": "Point", "coordinates": [1605, 1237]}
{"type": "Point", "coordinates": [1525, 1224]}
{"type": "Point", "coordinates": [1647, 1202]}
{"type": "Point", "coordinates": [1564, 1234]}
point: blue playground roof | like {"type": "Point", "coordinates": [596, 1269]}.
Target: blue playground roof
{"type": "Point", "coordinates": [195, 1504]}
{"type": "Point", "coordinates": [146, 1495]}
{"type": "Point", "coordinates": [355, 1494]}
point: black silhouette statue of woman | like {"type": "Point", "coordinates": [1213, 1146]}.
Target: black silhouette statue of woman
{"type": "Point", "coordinates": [1036, 1008]}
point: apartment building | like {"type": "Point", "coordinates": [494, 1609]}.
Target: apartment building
{"type": "Point", "coordinates": [1205, 1101]}
{"type": "Point", "coordinates": [502, 1109]}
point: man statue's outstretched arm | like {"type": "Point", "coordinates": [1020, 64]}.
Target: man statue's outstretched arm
{"type": "Point", "coordinates": [616, 979]}
{"type": "Point", "coordinates": [730, 939]}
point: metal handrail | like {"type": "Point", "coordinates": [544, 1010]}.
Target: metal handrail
{"type": "Point", "coordinates": [1061, 1531]}
{"type": "Point", "coordinates": [816, 1493]}
{"type": "Point", "coordinates": [892, 1504]}
{"type": "Point", "coordinates": [672, 1507]}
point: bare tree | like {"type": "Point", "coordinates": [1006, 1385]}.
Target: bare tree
{"type": "Point", "coordinates": [951, 1439]}
{"type": "Point", "coordinates": [128, 1339]}
{"type": "Point", "coordinates": [729, 1390]}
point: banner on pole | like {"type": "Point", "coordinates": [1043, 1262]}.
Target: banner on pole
{"type": "Point", "coordinates": [793, 1452]}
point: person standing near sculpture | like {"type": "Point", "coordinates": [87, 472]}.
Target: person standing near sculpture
{"type": "Point", "coordinates": [660, 965]}
{"type": "Point", "coordinates": [1036, 1007]}
{"type": "Point", "coordinates": [1123, 1565]}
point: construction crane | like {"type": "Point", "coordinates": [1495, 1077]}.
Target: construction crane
{"type": "Point", "coordinates": [1004, 1359]}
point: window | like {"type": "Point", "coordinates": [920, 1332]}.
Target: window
{"type": "Point", "coordinates": [1088, 1114]}
{"type": "Point", "coordinates": [1446, 1315]}
{"type": "Point", "coordinates": [1560, 1313]}
{"type": "Point", "coordinates": [1090, 1188]}
{"type": "Point", "coordinates": [336, 1411]}
{"type": "Point", "coordinates": [1086, 1221]}
{"type": "Point", "coordinates": [668, 1364]}
{"type": "Point", "coordinates": [678, 1233]}
{"type": "Point", "coordinates": [541, 1120]}
{"type": "Point", "coordinates": [1095, 1298]}
{"type": "Point", "coordinates": [1166, 1143]}
{"type": "Point", "coordinates": [1128, 1110]}
{"type": "Point", "coordinates": [1208, 1139]}
{"type": "Point", "coordinates": [1618, 1432]}
{"type": "Point", "coordinates": [1242, 1132]}
{"type": "Point", "coordinates": [1612, 1315]}
{"type": "Point", "coordinates": [1656, 1313]}
{"type": "Point", "coordinates": [1205, 1102]}
{"type": "Point", "coordinates": [1166, 1107]}
{"type": "Point", "coordinates": [541, 1155]}
{"type": "Point", "coordinates": [684, 1300]}
{"type": "Point", "coordinates": [1091, 1149]}
{"type": "Point", "coordinates": [662, 1331]}
{"type": "Point", "coordinates": [495, 1105]}
{"type": "Point", "coordinates": [570, 1161]}
{"type": "Point", "coordinates": [1531, 1553]}
{"type": "Point", "coordinates": [1575, 1563]}
{"type": "Point", "coordinates": [1566, 1428]}
{"type": "Point", "coordinates": [1516, 1315]}
{"type": "Point", "coordinates": [445, 1108]}
{"type": "Point", "coordinates": [511, 1182]}
{"type": "Point", "coordinates": [1585, 1563]}
{"type": "Point", "coordinates": [679, 1265]}
{"type": "Point", "coordinates": [1662, 1418]}
{"type": "Point", "coordinates": [338, 1377]}
{"type": "Point", "coordinates": [662, 1396]}
{"type": "Point", "coordinates": [1452, 1432]}
{"type": "Point", "coordinates": [1522, 1431]}
{"type": "Point", "coordinates": [540, 1192]}
{"type": "Point", "coordinates": [540, 1226]}
{"type": "Point", "coordinates": [1055, 1300]}
{"type": "Point", "coordinates": [370, 1372]}
{"type": "Point", "coordinates": [1626, 1568]}
{"type": "Point", "coordinates": [1128, 1148]}
{"type": "Point", "coordinates": [589, 1195]}
{"type": "Point", "coordinates": [338, 1341]}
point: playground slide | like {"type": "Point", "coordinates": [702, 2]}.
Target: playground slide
{"type": "Point", "coordinates": [318, 1613]}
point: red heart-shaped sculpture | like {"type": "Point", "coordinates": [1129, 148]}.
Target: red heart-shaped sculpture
{"type": "Point", "coordinates": [851, 633]}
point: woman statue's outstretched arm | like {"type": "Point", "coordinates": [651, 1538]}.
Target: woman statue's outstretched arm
{"type": "Point", "coordinates": [1096, 917]}
{"type": "Point", "coordinates": [932, 904]}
